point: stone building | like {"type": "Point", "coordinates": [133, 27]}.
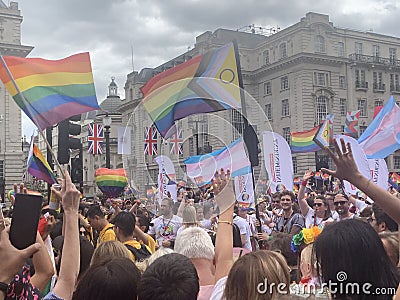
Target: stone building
{"type": "Point", "coordinates": [11, 156]}
{"type": "Point", "coordinates": [293, 77]}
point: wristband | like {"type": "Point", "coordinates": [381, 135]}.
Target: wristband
{"type": "Point", "coordinates": [304, 182]}
{"type": "Point", "coordinates": [223, 221]}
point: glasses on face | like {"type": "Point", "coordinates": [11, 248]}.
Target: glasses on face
{"type": "Point", "coordinates": [337, 203]}
{"type": "Point", "coordinates": [317, 204]}
{"type": "Point", "coordinates": [370, 219]}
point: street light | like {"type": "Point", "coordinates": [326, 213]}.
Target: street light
{"type": "Point", "coordinates": [107, 124]}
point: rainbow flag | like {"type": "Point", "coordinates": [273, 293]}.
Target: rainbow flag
{"type": "Point", "coordinates": [207, 83]}
{"type": "Point", "coordinates": [394, 180]}
{"type": "Point", "coordinates": [111, 182]}
{"type": "Point", "coordinates": [38, 165]}
{"type": "Point", "coordinates": [302, 141]}
{"type": "Point", "coordinates": [53, 90]}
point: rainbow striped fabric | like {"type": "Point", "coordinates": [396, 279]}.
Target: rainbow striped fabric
{"type": "Point", "coordinates": [38, 166]}
{"type": "Point", "coordinates": [53, 90]}
{"type": "Point", "coordinates": [302, 141]}
{"type": "Point", "coordinates": [206, 83]}
{"type": "Point", "coordinates": [111, 182]}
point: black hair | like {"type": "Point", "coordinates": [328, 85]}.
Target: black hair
{"type": "Point", "coordinates": [126, 222]}
{"type": "Point", "coordinates": [144, 221]}
{"type": "Point", "coordinates": [170, 277]}
{"type": "Point", "coordinates": [116, 278]}
{"type": "Point", "coordinates": [93, 211]}
{"type": "Point", "coordinates": [287, 192]}
{"type": "Point", "coordinates": [382, 217]}
{"type": "Point", "coordinates": [353, 249]}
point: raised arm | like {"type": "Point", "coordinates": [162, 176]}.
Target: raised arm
{"type": "Point", "coordinates": [346, 169]}
{"type": "Point", "coordinates": [225, 197]}
{"type": "Point", "coordinates": [44, 269]}
{"type": "Point", "coordinates": [71, 256]}
{"type": "Point", "coordinates": [302, 191]}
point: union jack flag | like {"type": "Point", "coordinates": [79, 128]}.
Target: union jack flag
{"type": "Point", "coordinates": [150, 141]}
{"type": "Point", "coordinates": [176, 142]}
{"type": "Point", "coordinates": [95, 138]}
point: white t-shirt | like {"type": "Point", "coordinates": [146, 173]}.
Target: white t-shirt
{"type": "Point", "coordinates": [219, 288]}
{"type": "Point", "coordinates": [165, 229]}
{"type": "Point", "coordinates": [244, 228]}
{"type": "Point", "coordinates": [310, 219]}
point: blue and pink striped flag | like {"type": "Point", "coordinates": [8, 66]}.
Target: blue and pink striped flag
{"type": "Point", "coordinates": [232, 157]}
{"type": "Point", "coordinates": [382, 136]}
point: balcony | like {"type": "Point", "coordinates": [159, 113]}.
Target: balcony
{"type": "Point", "coordinates": [374, 60]}
{"type": "Point", "coordinates": [361, 85]}
{"type": "Point", "coordinates": [395, 88]}
{"type": "Point", "coordinates": [379, 87]}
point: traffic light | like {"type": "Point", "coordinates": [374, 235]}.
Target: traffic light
{"type": "Point", "coordinates": [66, 129]}
{"type": "Point", "coordinates": [77, 169]}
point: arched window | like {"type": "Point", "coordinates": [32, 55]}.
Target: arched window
{"type": "Point", "coordinates": [322, 108]}
{"type": "Point", "coordinates": [319, 44]}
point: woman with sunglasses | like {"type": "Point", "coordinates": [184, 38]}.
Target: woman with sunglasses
{"type": "Point", "coordinates": [317, 215]}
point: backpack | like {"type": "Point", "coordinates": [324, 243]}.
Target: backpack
{"type": "Point", "coordinates": [237, 239]}
{"type": "Point", "coordinates": [140, 254]}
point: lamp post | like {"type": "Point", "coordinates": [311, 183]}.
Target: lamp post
{"type": "Point", "coordinates": [107, 125]}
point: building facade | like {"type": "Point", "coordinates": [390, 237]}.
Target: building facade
{"type": "Point", "coordinates": [11, 156]}
{"type": "Point", "coordinates": [292, 78]}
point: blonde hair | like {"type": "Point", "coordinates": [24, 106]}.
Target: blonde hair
{"type": "Point", "coordinates": [189, 216]}
{"type": "Point", "coordinates": [254, 268]}
{"type": "Point", "coordinates": [109, 250]}
{"type": "Point", "coordinates": [391, 246]}
{"type": "Point", "coordinates": [160, 252]}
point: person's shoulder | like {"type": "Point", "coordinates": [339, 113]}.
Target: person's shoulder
{"type": "Point", "coordinates": [177, 219]}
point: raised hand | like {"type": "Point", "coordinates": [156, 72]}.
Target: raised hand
{"type": "Point", "coordinates": [223, 190]}
{"type": "Point", "coordinates": [69, 194]}
{"type": "Point", "coordinates": [346, 167]}
{"type": "Point", "coordinates": [308, 174]}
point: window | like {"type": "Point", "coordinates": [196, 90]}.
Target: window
{"type": "Point", "coordinates": [2, 169]}
{"type": "Point", "coordinates": [394, 83]}
{"type": "Point", "coordinates": [285, 108]}
{"type": "Point", "coordinates": [267, 88]}
{"type": "Point", "coordinates": [282, 50]}
{"type": "Point", "coordinates": [362, 106]}
{"type": "Point", "coordinates": [342, 82]}
{"type": "Point", "coordinates": [340, 49]}
{"type": "Point", "coordinates": [377, 79]}
{"type": "Point", "coordinates": [266, 57]}
{"type": "Point", "coordinates": [191, 147]}
{"type": "Point", "coordinates": [396, 162]}
{"type": "Point", "coordinates": [360, 79]}
{"type": "Point", "coordinates": [286, 134]}
{"type": "Point", "coordinates": [294, 160]}
{"type": "Point", "coordinates": [358, 48]}
{"type": "Point", "coordinates": [268, 111]}
{"type": "Point", "coordinates": [362, 129]}
{"type": "Point", "coordinates": [322, 108]}
{"type": "Point", "coordinates": [321, 79]}
{"type": "Point", "coordinates": [378, 102]}
{"type": "Point", "coordinates": [237, 124]}
{"type": "Point", "coordinates": [375, 51]}
{"type": "Point", "coordinates": [284, 83]}
{"type": "Point", "coordinates": [342, 106]}
{"type": "Point", "coordinates": [319, 44]}
{"type": "Point", "coordinates": [392, 55]}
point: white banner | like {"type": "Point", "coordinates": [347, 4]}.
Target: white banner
{"type": "Point", "coordinates": [166, 178]}
{"type": "Point", "coordinates": [379, 172]}
{"type": "Point", "coordinates": [360, 159]}
{"type": "Point", "coordinates": [124, 140]}
{"type": "Point", "coordinates": [278, 161]}
{"type": "Point", "coordinates": [244, 190]}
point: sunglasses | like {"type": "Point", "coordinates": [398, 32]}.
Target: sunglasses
{"type": "Point", "coordinates": [317, 204]}
{"type": "Point", "coordinates": [340, 203]}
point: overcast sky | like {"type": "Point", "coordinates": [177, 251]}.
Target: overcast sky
{"type": "Point", "coordinates": [158, 30]}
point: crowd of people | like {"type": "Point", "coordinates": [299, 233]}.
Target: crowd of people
{"type": "Point", "coordinates": [319, 244]}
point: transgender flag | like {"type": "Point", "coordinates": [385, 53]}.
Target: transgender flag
{"type": "Point", "coordinates": [233, 157]}
{"type": "Point", "coordinates": [382, 136]}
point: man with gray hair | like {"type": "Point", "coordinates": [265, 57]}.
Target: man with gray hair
{"type": "Point", "coordinates": [196, 244]}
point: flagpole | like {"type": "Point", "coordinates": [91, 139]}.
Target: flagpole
{"type": "Point", "coordinates": [249, 136]}
{"type": "Point", "coordinates": [26, 102]}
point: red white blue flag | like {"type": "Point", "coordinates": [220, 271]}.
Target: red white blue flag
{"type": "Point", "coordinates": [176, 142]}
{"type": "Point", "coordinates": [95, 138]}
{"type": "Point", "coordinates": [150, 140]}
